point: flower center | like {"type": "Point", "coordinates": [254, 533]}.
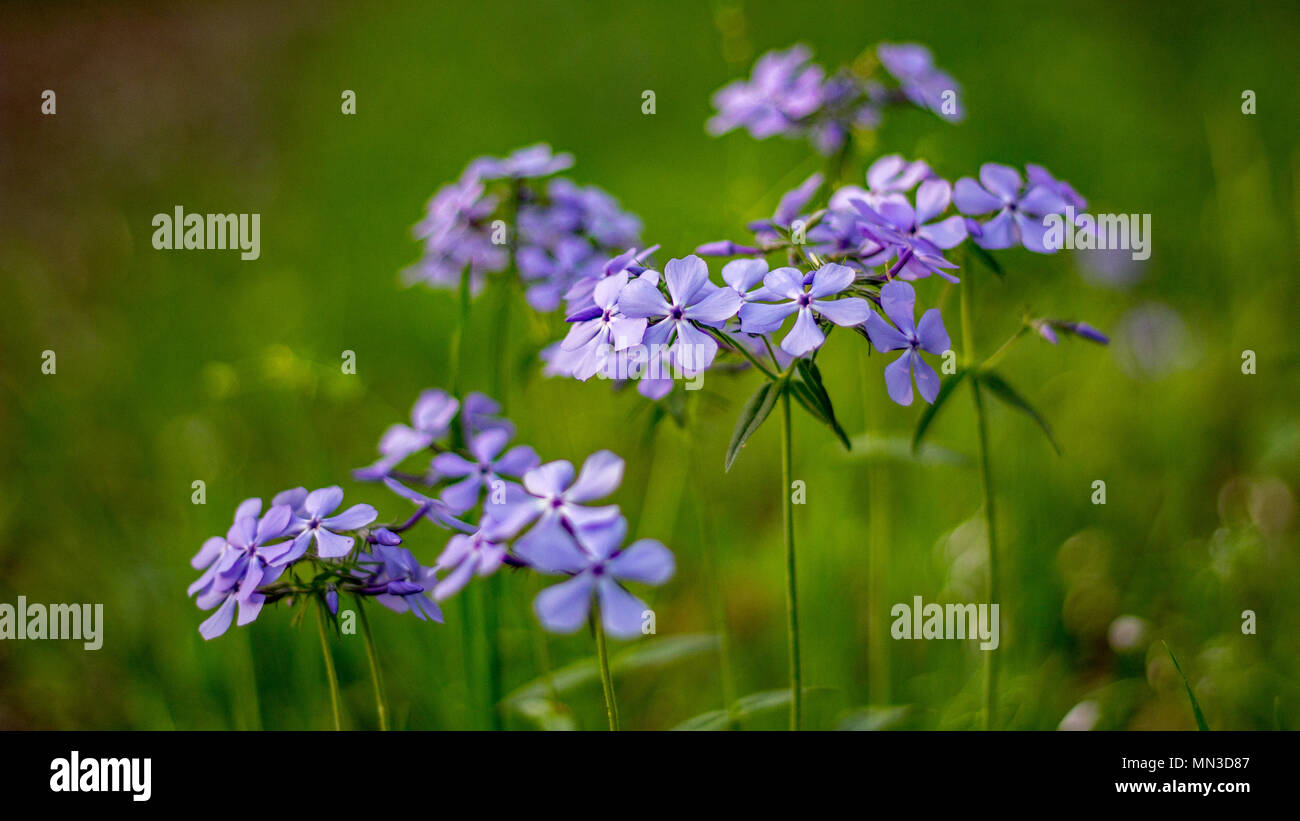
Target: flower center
{"type": "Point", "coordinates": [804, 300]}
{"type": "Point", "coordinates": [676, 313]}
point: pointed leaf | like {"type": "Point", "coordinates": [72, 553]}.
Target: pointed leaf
{"type": "Point", "coordinates": [1196, 707]}
{"type": "Point", "coordinates": [1007, 394]}
{"type": "Point", "coordinates": [754, 413]}
{"type": "Point", "coordinates": [812, 378]}
{"type": "Point", "coordinates": [927, 416]}
{"type": "Point", "coordinates": [989, 261]}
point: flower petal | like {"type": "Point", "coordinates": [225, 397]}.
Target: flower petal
{"type": "Point", "coordinates": [898, 301]}
{"type": "Point", "coordinates": [761, 318]}
{"type": "Point", "coordinates": [620, 611]}
{"type": "Point", "coordinates": [805, 337]}
{"type": "Point", "coordinates": [898, 378]}
{"type": "Point", "coordinates": [931, 334]}
{"type": "Point", "coordinates": [321, 503]}
{"type": "Point", "coordinates": [600, 476]}
{"type": "Point", "coordinates": [352, 518]}
{"type": "Point", "coordinates": [563, 608]}
{"type": "Point", "coordinates": [550, 479]}
{"type": "Point", "coordinates": [684, 278]}
{"type": "Point", "coordinates": [844, 312]}
{"type": "Point", "coordinates": [646, 561]}
{"type": "Point", "coordinates": [830, 279]}
{"type": "Point", "coordinates": [642, 299]}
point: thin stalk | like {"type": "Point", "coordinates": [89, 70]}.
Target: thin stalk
{"type": "Point", "coordinates": [330, 673]}
{"type": "Point", "coordinates": [606, 680]}
{"type": "Point", "coordinates": [791, 589]}
{"type": "Point", "coordinates": [724, 337]}
{"type": "Point", "coordinates": [986, 479]}
{"type": "Point", "coordinates": [990, 663]}
{"type": "Point", "coordinates": [492, 627]}
{"type": "Point", "coordinates": [376, 674]}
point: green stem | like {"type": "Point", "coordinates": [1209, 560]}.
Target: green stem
{"type": "Point", "coordinates": [376, 674]}
{"type": "Point", "coordinates": [990, 663]}
{"type": "Point", "coordinates": [791, 589]}
{"type": "Point", "coordinates": [492, 628]}
{"type": "Point", "coordinates": [606, 680]}
{"type": "Point", "coordinates": [725, 338]}
{"type": "Point", "coordinates": [330, 673]}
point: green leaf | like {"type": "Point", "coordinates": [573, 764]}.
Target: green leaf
{"type": "Point", "coordinates": [987, 258]}
{"type": "Point", "coordinates": [644, 655]}
{"type": "Point", "coordinates": [811, 377]}
{"type": "Point", "coordinates": [1007, 394]}
{"type": "Point", "coordinates": [930, 412]}
{"type": "Point", "coordinates": [1196, 707]}
{"type": "Point", "coordinates": [744, 707]}
{"type": "Point", "coordinates": [754, 413]}
{"type": "Point", "coordinates": [875, 718]}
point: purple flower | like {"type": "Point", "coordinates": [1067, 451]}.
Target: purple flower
{"type": "Point", "coordinates": [1018, 212]}
{"type": "Point", "coordinates": [897, 300]}
{"type": "Point", "coordinates": [890, 174]}
{"type": "Point", "coordinates": [479, 412]}
{"type": "Point", "coordinates": [1039, 175]}
{"type": "Point", "coordinates": [791, 206]}
{"type": "Point", "coordinates": [430, 420]}
{"type": "Point", "coordinates": [917, 236]}
{"type": "Point", "coordinates": [725, 248]}
{"type": "Point", "coordinates": [456, 233]}
{"type": "Point", "coordinates": [745, 277]}
{"type": "Point", "coordinates": [782, 90]}
{"type": "Point", "coordinates": [438, 512]}
{"type": "Point", "coordinates": [810, 300]}
{"type": "Point", "coordinates": [597, 565]}
{"type": "Point", "coordinates": [1047, 328]}
{"type": "Point", "coordinates": [918, 78]}
{"type": "Point", "coordinates": [695, 301]}
{"type": "Point", "coordinates": [399, 582]}
{"type": "Point", "coordinates": [524, 163]}
{"type": "Point", "coordinates": [241, 565]}
{"type": "Point", "coordinates": [315, 522]}
{"type": "Point", "coordinates": [485, 471]}
{"type": "Point", "coordinates": [467, 555]}
{"type": "Point", "coordinates": [552, 497]}
{"type": "Point", "coordinates": [589, 341]}
{"type": "Point", "coordinates": [580, 296]}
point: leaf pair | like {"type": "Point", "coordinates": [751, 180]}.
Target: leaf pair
{"type": "Point", "coordinates": [996, 386]}
{"type": "Point", "coordinates": [806, 387]}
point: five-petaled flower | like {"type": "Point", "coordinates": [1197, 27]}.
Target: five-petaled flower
{"type": "Point", "coordinates": [808, 296]}
{"type": "Point", "coordinates": [597, 564]}
{"type": "Point", "coordinates": [897, 300]}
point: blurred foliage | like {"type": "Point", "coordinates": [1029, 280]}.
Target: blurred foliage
{"type": "Point", "coordinates": [177, 366]}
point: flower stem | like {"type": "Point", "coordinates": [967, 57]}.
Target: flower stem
{"type": "Point", "coordinates": [606, 680]}
{"type": "Point", "coordinates": [791, 589]}
{"type": "Point", "coordinates": [330, 672]}
{"type": "Point", "coordinates": [376, 674]}
{"type": "Point", "coordinates": [990, 663]}
{"type": "Point", "coordinates": [492, 629]}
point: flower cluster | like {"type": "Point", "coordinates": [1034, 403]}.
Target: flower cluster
{"type": "Point", "coordinates": [562, 232]}
{"type": "Point", "coordinates": [301, 548]}
{"type": "Point", "coordinates": [788, 95]}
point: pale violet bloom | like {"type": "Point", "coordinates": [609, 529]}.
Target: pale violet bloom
{"type": "Point", "coordinates": [598, 565]}
{"type": "Point", "coordinates": [898, 300]}
{"type": "Point", "coordinates": [809, 298]}
{"type": "Point", "coordinates": [694, 301]}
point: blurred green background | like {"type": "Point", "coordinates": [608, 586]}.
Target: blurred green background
{"type": "Point", "coordinates": [174, 367]}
